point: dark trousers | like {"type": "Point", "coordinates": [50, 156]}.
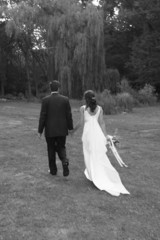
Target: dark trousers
{"type": "Point", "coordinates": [56, 145]}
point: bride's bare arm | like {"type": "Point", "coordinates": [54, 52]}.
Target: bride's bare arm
{"type": "Point", "coordinates": [102, 123]}
{"type": "Point", "coordinates": [81, 119]}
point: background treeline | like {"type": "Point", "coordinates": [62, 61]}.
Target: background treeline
{"type": "Point", "coordinates": [113, 46]}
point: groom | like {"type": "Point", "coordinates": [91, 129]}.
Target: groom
{"type": "Point", "coordinates": [56, 119]}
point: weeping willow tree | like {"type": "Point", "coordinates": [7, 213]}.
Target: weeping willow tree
{"type": "Point", "coordinates": [20, 26]}
{"type": "Point", "coordinates": [75, 44]}
{"type": "Point", "coordinates": [73, 40]}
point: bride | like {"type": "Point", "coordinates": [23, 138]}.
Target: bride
{"type": "Point", "coordinates": [98, 169]}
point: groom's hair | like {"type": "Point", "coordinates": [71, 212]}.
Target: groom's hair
{"type": "Point", "coordinates": [54, 85]}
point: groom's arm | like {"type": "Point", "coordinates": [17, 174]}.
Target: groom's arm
{"type": "Point", "coordinates": [43, 116]}
{"type": "Point", "coordinates": [69, 116]}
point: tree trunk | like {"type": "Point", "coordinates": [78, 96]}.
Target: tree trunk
{"type": "Point", "coordinates": [35, 78]}
{"type": "Point", "coordinates": [29, 91]}
{"type": "Point", "coordinates": [2, 71]}
{"type": "Point", "coordinates": [29, 84]}
{"type": "Point", "coordinates": [2, 87]}
{"type": "Point", "coordinates": [51, 73]}
{"type": "Point", "coordinates": [36, 88]}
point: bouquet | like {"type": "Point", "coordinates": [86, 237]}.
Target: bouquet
{"type": "Point", "coordinates": [112, 142]}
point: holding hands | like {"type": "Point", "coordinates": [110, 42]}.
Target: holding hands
{"type": "Point", "coordinates": [71, 132]}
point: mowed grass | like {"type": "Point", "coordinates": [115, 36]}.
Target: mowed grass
{"type": "Point", "coordinates": [37, 206]}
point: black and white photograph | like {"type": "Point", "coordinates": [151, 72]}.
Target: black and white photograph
{"type": "Point", "coordinates": [79, 120]}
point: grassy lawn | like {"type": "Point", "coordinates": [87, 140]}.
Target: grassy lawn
{"type": "Point", "coordinates": [37, 206]}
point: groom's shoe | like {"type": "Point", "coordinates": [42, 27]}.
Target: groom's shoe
{"type": "Point", "coordinates": [53, 172]}
{"type": "Point", "coordinates": [65, 169]}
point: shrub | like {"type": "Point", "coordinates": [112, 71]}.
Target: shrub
{"type": "Point", "coordinates": [125, 101]}
{"type": "Point", "coordinates": [147, 95]}
{"type": "Point", "coordinates": [21, 96]}
{"type": "Point", "coordinates": [106, 101]}
{"type": "Point", "coordinates": [125, 87]}
{"type": "Point", "coordinates": [10, 96]}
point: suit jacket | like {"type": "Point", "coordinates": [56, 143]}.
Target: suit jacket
{"type": "Point", "coordinates": [55, 116]}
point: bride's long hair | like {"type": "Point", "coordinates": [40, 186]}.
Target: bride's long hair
{"type": "Point", "coordinates": [90, 100]}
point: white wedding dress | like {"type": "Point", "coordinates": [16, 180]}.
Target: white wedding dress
{"type": "Point", "coordinates": [98, 167]}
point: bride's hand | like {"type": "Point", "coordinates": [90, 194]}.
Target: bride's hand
{"type": "Point", "coordinates": [107, 138]}
{"type": "Point", "coordinates": [71, 132]}
{"type": "Point", "coordinates": [39, 135]}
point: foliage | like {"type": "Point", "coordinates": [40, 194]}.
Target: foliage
{"type": "Point", "coordinates": [147, 95]}
{"type": "Point", "coordinates": [75, 37]}
{"type": "Point", "coordinates": [139, 53]}
{"type": "Point", "coordinates": [76, 42]}
{"type": "Point", "coordinates": [20, 25]}
{"type": "Point", "coordinates": [124, 86]}
{"type": "Point", "coordinates": [6, 53]}
{"type": "Point", "coordinates": [111, 104]}
{"type": "Point", "coordinates": [106, 101]}
{"type": "Point", "coordinates": [112, 80]}
{"type": "Point", "coordinates": [145, 58]}
{"type": "Point", "coordinates": [117, 47]}
{"type": "Point", "coordinates": [71, 35]}
{"type": "Point", "coordinates": [125, 102]}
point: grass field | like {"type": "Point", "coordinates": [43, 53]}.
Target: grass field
{"type": "Point", "coordinates": [37, 206]}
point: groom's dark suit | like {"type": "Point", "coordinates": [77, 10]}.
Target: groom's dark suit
{"type": "Point", "coordinates": [56, 119]}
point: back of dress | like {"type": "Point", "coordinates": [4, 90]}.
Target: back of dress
{"type": "Point", "coordinates": [99, 170]}
{"type": "Point", "coordinates": [93, 136]}
{"type": "Point", "coordinates": [88, 116]}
